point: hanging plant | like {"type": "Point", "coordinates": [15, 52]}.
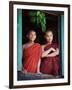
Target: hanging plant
{"type": "Point", "coordinates": [39, 18]}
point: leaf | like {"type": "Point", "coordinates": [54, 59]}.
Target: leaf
{"type": "Point", "coordinates": [39, 18]}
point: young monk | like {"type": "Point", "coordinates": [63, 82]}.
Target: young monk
{"type": "Point", "coordinates": [31, 54]}
{"type": "Point", "coordinates": [50, 60]}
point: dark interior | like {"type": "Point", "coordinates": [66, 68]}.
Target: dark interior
{"type": "Point", "coordinates": [51, 23]}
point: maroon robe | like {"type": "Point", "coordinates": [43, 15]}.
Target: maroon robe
{"type": "Point", "coordinates": [50, 65]}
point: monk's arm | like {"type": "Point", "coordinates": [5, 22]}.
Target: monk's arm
{"type": "Point", "coordinates": [38, 67]}
{"type": "Point", "coordinates": [55, 53]}
{"type": "Point", "coordinates": [45, 53]}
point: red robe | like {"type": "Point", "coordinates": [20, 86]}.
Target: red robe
{"type": "Point", "coordinates": [50, 65]}
{"type": "Point", "coordinates": [31, 56]}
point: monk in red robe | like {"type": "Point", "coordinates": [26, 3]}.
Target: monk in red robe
{"type": "Point", "coordinates": [50, 59]}
{"type": "Point", "coordinates": [31, 54]}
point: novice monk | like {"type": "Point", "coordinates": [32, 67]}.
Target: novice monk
{"type": "Point", "coordinates": [31, 54]}
{"type": "Point", "coordinates": [50, 60]}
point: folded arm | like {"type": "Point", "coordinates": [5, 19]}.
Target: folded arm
{"type": "Point", "coordinates": [55, 53]}
{"type": "Point", "coordinates": [45, 53]}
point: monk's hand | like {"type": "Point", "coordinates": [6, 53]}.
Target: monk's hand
{"type": "Point", "coordinates": [39, 72]}
{"type": "Point", "coordinates": [52, 49]}
{"type": "Point", "coordinates": [24, 71]}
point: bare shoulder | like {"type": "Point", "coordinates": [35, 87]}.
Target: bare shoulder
{"type": "Point", "coordinates": [43, 46]}
{"type": "Point", "coordinates": [24, 46]}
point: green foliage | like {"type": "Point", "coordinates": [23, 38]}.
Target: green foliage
{"type": "Point", "coordinates": [39, 18]}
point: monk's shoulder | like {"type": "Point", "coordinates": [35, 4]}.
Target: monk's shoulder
{"type": "Point", "coordinates": [24, 46]}
{"type": "Point", "coordinates": [43, 46]}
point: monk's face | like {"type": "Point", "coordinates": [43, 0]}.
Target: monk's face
{"type": "Point", "coordinates": [32, 36]}
{"type": "Point", "coordinates": [49, 36]}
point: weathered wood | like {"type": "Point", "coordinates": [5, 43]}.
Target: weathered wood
{"type": "Point", "coordinates": [34, 76]}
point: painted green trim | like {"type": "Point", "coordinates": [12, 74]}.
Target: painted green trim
{"type": "Point", "coordinates": [62, 42]}
{"type": "Point", "coordinates": [19, 39]}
